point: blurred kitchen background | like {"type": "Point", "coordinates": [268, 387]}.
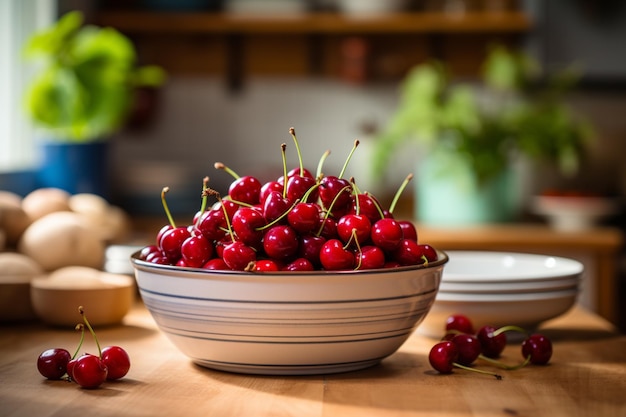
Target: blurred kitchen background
{"type": "Point", "coordinates": [241, 72]}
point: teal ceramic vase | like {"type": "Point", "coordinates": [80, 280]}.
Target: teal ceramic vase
{"type": "Point", "coordinates": [447, 193]}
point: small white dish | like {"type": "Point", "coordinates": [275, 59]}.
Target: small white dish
{"type": "Point", "coordinates": [573, 213]}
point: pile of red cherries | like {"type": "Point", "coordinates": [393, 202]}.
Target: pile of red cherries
{"type": "Point", "coordinates": [297, 222]}
{"type": "Point", "coordinates": [461, 346]}
{"type": "Point", "coordinates": [87, 370]}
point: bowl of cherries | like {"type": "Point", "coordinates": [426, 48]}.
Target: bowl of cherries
{"type": "Point", "coordinates": [304, 274]}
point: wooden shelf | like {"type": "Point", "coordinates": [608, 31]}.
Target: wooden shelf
{"type": "Point", "coordinates": [314, 23]}
{"type": "Point", "coordinates": [237, 46]}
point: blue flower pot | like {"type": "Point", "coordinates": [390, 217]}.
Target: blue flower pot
{"type": "Point", "coordinates": [75, 167]}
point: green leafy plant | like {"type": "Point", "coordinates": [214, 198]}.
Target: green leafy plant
{"type": "Point", "coordinates": [83, 90]}
{"type": "Point", "coordinates": [488, 123]}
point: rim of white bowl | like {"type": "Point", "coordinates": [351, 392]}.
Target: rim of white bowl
{"type": "Point", "coordinates": [550, 267]}
{"type": "Point", "coordinates": [442, 259]}
{"type": "Point", "coordinates": [501, 297]}
{"type": "Point", "coordinates": [509, 289]}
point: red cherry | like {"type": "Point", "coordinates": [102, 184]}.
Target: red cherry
{"type": "Point", "coordinates": [387, 234]}
{"type": "Point", "coordinates": [196, 251]}
{"type": "Point", "coordinates": [408, 230]}
{"type": "Point", "coordinates": [274, 206]}
{"type": "Point", "coordinates": [368, 206]}
{"type": "Point", "coordinates": [459, 323]}
{"type": "Point", "coordinates": [212, 224]}
{"type": "Point", "coordinates": [334, 257]}
{"type": "Point", "coordinates": [268, 187]}
{"type": "Point", "coordinates": [89, 371]}
{"type": "Point", "coordinates": [245, 189]}
{"type": "Point", "coordinates": [280, 242]}
{"type": "Point", "coordinates": [309, 248]}
{"type": "Point", "coordinates": [216, 264]}
{"type": "Point", "coordinates": [299, 264]}
{"type": "Point", "coordinates": [335, 191]}
{"type": "Point", "coordinates": [469, 348]}
{"type": "Point", "coordinates": [538, 348]}
{"type": "Point", "coordinates": [298, 186]}
{"type": "Point", "coordinates": [247, 223]}
{"type": "Point", "coordinates": [237, 255]}
{"type": "Point", "coordinates": [304, 217]}
{"type": "Point", "coordinates": [442, 356]}
{"type": "Point", "coordinates": [370, 257]}
{"type": "Point", "coordinates": [117, 362]}
{"type": "Point", "coordinates": [52, 363]}
{"type": "Point", "coordinates": [171, 242]}
{"type": "Point", "coordinates": [492, 343]}
{"type": "Point", "coordinates": [354, 224]}
{"type": "Point", "coordinates": [265, 265]}
{"type": "Point", "coordinates": [408, 253]}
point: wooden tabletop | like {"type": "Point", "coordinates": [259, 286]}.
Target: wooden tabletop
{"type": "Point", "coordinates": [586, 377]}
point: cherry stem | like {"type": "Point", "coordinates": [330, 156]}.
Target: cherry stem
{"type": "Point", "coordinates": [399, 192]}
{"type": "Point", "coordinates": [283, 148]}
{"type": "Point", "coordinates": [308, 192]}
{"type": "Point", "coordinates": [330, 208]}
{"type": "Point", "coordinates": [93, 333]}
{"type": "Point", "coordinates": [480, 371]}
{"type": "Point", "coordinates": [357, 203]}
{"type": "Point", "coordinates": [278, 219]}
{"type": "Point", "coordinates": [81, 327]}
{"type": "Point", "coordinates": [205, 184]}
{"type": "Point", "coordinates": [320, 164]}
{"type": "Point", "coordinates": [510, 328]}
{"type": "Point", "coordinates": [164, 191]}
{"type": "Point", "coordinates": [345, 164]}
{"type": "Point", "coordinates": [358, 245]}
{"type": "Point", "coordinates": [292, 132]}
{"type": "Point", "coordinates": [376, 204]}
{"type": "Point", "coordinates": [504, 365]}
{"type": "Point", "coordinates": [219, 165]}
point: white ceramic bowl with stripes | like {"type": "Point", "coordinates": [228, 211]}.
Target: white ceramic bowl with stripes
{"type": "Point", "coordinates": [288, 323]}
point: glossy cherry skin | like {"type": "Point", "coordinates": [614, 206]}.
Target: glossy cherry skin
{"type": "Point", "coordinates": [237, 255]}
{"type": "Point", "coordinates": [304, 217]}
{"type": "Point", "coordinates": [368, 206]}
{"type": "Point", "coordinates": [408, 253]}
{"type": "Point", "coordinates": [216, 264]}
{"type": "Point", "coordinates": [538, 347]}
{"type": "Point", "coordinates": [274, 206]}
{"type": "Point", "coordinates": [281, 242]}
{"type": "Point", "coordinates": [212, 224]}
{"type": "Point", "coordinates": [335, 191]}
{"type": "Point", "coordinates": [52, 363]}
{"type": "Point", "coordinates": [334, 257]}
{"type": "Point", "coordinates": [370, 257]}
{"type": "Point", "coordinates": [469, 348]}
{"type": "Point", "coordinates": [117, 362]}
{"type": "Point", "coordinates": [491, 345]}
{"type": "Point", "coordinates": [309, 248]}
{"type": "Point", "coordinates": [265, 265]}
{"type": "Point", "coordinates": [409, 231]}
{"type": "Point", "coordinates": [299, 264]}
{"type": "Point", "coordinates": [387, 234]}
{"type": "Point", "coordinates": [196, 251]}
{"type": "Point", "coordinates": [353, 226]}
{"type": "Point", "coordinates": [268, 187]}
{"type": "Point", "coordinates": [89, 371]}
{"type": "Point", "coordinates": [297, 186]}
{"type": "Point", "coordinates": [328, 228]}
{"type": "Point", "coordinates": [459, 323]}
{"type": "Point", "coordinates": [442, 356]}
{"type": "Point", "coordinates": [246, 224]}
{"type": "Point", "coordinates": [245, 189]}
{"type": "Point", "coordinates": [171, 242]}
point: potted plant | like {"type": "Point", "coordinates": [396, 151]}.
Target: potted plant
{"type": "Point", "coordinates": [81, 94]}
{"type": "Point", "coordinates": [472, 133]}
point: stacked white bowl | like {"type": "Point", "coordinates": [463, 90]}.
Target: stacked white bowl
{"type": "Point", "coordinates": [503, 288]}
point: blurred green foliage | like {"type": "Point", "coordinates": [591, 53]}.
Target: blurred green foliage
{"type": "Point", "coordinates": [507, 114]}
{"type": "Point", "coordinates": [83, 89]}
